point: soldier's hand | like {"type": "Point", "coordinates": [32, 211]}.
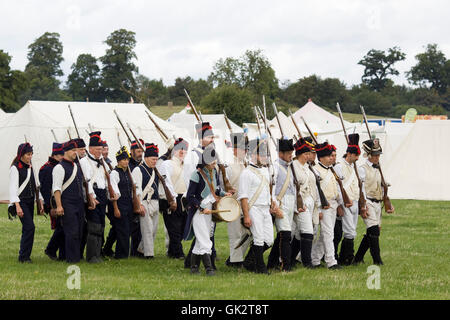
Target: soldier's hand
{"type": "Point", "coordinates": [142, 211]}
{"type": "Point", "coordinates": [348, 205]}
{"type": "Point", "coordinates": [173, 206]}
{"type": "Point", "coordinates": [391, 211]}
{"type": "Point", "coordinates": [59, 211]}
{"type": "Point", "coordinates": [207, 211]}
{"type": "Point", "coordinates": [117, 214]}
{"type": "Point", "coordinates": [19, 210]}
{"type": "Point", "coordinates": [301, 209]}
{"type": "Point", "coordinates": [247, 222]}
{"type": "Point", "coordinates": [340, 211]}
{"type": "Point", "coordinates": [320, 215]}
{"type": "Point", "coordinates": [41, 211]}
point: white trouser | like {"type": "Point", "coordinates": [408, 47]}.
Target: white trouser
{"type": "Point", "coordinates": [374, 214]}
{"type": "Point", "coordinates": [235, 232]}
{"type": "Point", "coordinates": [287, 205]}
{"type": "Point", "coordinates": [203, 229]}
{"type": "Point", "coordinates": [325, 245]}
{"type": "Point", "coordinates": [149, 226]}
{"type": "Point", "coordinates": [262, 225]}
{"type": "Point", "coordinates": [303, 220]}
{"type": "Point", "coordinates": [350, 221]}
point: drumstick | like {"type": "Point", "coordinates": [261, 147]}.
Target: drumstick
{"type": "Point", "coordinates": [218, 211]}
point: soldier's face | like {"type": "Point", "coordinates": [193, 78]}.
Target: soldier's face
{"type": "Point", "coordinates": [374, 159]}
{"type": "Point", "coordinates": [27, 157]}
{"type": "Point", "coordinates": [327, 160]}
{"type": "Point", "coordinates": [71, 154]}
{"type": "Point", "coordinates": [333, 157]}
{"type": "Point", "coordinates": [137, 154]}
{"type": "Point", "coordinates": [180, 154]}
{"type": "Point", "coordinates": [285, 155]}
{"type": "Point", "coordinates": [207, 140]}
{"type": "Point", "coordinates": [105, 152]}
{"type": "Point", "coordinates": [352, 157]}
{"type": "Point", "coordinates": [124, 163]}
{"type": "Point", "coordinates": [81, 152]}
{"type": "Point", "coordinates": [96, 151]}
{"type": "Point", "coordinates": [151, 161]}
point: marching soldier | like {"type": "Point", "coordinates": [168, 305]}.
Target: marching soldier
{"type": "Point", "coordinates": [285, 192]}
{"type": "Point", "coordinates": [371, 178]}
{"type": "Point", "coordinates": [22, 192]}
{"type": "Point", "coordinates": [46, 180]}
{"type": "Point", "coordinates": [235, 229]}
{"type": "Point", "coordinates": [329, 185]}
{"type": "Point", "coordinates": [254, 195]}
{"type": "Point", "coordinates": [92, 166]}
{"type": "Point", "coordinates": [135, 228]}
{"type": "Point", "coordinates": [304, 220]}
{"type": "Point", "coordinates": [147, 182]}
{"type": "Point", "coordinates": [349, 220]}
{"type": "Point", "coordinates": [193, 158]}
{"type": "Point", "coordinates": [67, 188]}
{"type": "Point", "coordinates": [172, 170]}
{"type": "Point", "coordinates": [203, 191]}
{"type": "Point", "coordinates": [123, 189]}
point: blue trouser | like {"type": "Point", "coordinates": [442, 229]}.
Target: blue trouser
{"type": "Point", "coordinates": [27, 239]}
{"type": "Point", "coordinates": [57, 241]}
{"type": "Point", "coordinates": [122, 229]}
{"type": "Point", "coordinates": [98, 214]}
{"type": "Point", "coordinates": [72, 223]}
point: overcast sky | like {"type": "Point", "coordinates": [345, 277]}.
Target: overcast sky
{"type": "Point", "coordinates": [180, 38]}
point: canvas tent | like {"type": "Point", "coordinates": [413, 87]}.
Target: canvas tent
{"type": "Point", "coordinates": [419, 167]}
{"type": "Point", "coordinates": [36, 119]}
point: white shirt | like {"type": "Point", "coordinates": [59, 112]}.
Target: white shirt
{"type": "Point", "coordinates": [92, 173]}
{"type": "Point", "coordinates": [166, 170]}
{"type": "Point", "coordinates": [249, 183]}
{"type": "Point", "coordinates": [14, 185]}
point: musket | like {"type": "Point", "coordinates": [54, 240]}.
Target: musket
{"type": "Point", "coordinates": [36, 188]}
{"type": "Point", "coordinates": [295, 124]}
{"type": "Point", "coordinates": [386, 201]}
{"type": "Point", "coordinates": [362, 199]}
{"type": "Point", "coordinates": [135, 199]}
{"type": "Point", "coordinates": [257, 120]}
{"type": "Point", "coordinates": [68, 133]}
{"type": "Point", "coordinates": [266, 127]}
{"type": "Point", "coordinates": [345, 197]}
{"type": "Point", "coordinates": [275, 110]}
{"type": "Point", "coordinates": [54, 135]}
{"type": "Point", "coordinates": [160, 131]}
{"type": "Point", "coordinates": [199, 119]}
{"type": "Point", "coordinates": [169, 196]}
{"type": "Point", "coordinates": [227, 121]}
{"type": "Point", "coordinates": [226, 182]}
{"type": "Point", "coordinates": [89, 200]}
{"type": "Point", "coordinates": [296, 181]}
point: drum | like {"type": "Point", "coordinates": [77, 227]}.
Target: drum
{"type": "Point", "coordinates": [227, 209]}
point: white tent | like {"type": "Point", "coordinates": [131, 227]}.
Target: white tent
{"type": "Point", "coordinates": [36, 119]}
{"type": "Point", "coordinates": [419, 168]}
{"type": "Point", "coordinates": [4, 117]}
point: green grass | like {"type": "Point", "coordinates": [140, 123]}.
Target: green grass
{"type": "Point", "coordinates": [414, 247]}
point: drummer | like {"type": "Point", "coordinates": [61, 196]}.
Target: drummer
{"type": "Point", "coordinates": [203, 191]}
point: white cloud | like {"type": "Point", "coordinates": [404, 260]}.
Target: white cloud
{"type": "Point", "coordinates": [177, 38]}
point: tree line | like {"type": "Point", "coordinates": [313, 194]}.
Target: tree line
{"type": "Point", "coordinates": [235, 84]}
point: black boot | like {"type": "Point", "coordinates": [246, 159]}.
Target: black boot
{"type": "Point", "coordinates": [110, 239]}
{"type": "Point", "coordinates": [305, 249]}
{"type": "Point", "coordinates": [93, 242]}
{"type": "Point", "coordinates": [363, 247]}
{"type": "Point", "coordinates": [295, 249]}
{"type": "Point", "coordinates": [187, 260]}
{"type": "Point", "coordinates": [285, 250]}
{"type": "Point", "coordinates": [206, 258]}
{"type": "Point", "coordinates": [337, 236]}
{"type": "Point", "coordinates": [249, 261]}
{"type": "Point", "coordinates": [195, 263]}
{"type": "Point", "coordinates": [347, 252]}
{"type": "Point", "coordinates": [374, 244]}
{"type": "Point", "coordinates": [260, 266]}
{"type": "Point", "coordinates": [274, 256]}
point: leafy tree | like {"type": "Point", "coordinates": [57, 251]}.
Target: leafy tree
{"type": "Point", "coordinates": [432, 68]}
{"type": "Point", "coordinates": [45, 57]}
{"type": "Point", "coordinates": [378, 65]}
{"type": "Point", "coordinates": [252, 71]}
{"type": "Point", "coordinates": [84, 81]}
{"type": "Point", "coordinates": [12, 82]}
{"type": "Point", "coordinates": [197, 90]}
{"type": "Point", "coordinates": [236, 102]}
{"type": "Point", "coordinates": [118, 67]}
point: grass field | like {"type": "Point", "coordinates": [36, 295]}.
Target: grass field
{"type": "Point", "coordinates": [414, 244]}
